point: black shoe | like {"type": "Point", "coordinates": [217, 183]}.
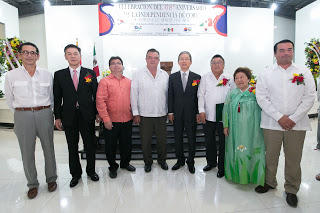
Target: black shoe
{"type": "Point", "coordinates": [220, 173]}
{"type": "Point", "coordinates": [113, 174]}
{"type": "Point", "coordinates": [208, 167]}
{"type": "Point", "coordinates": [191, 168]}
{"type": "Point", "coordinates": [74, 181]}
{"type": "Point", "coordinates": [164, 166]}
{"type": "Point", "coordinates": [94, 177]}
{"type": "Point", "coordinates": [292, 199]}
{"type": "Point", "coordinates": [177, 166]}
{"type": "Point", "coordinates": [263, 189]}
{"type": "Point", "coordinates": [147, 168]}
{"type": "Point", "coordinates": [130, 168]}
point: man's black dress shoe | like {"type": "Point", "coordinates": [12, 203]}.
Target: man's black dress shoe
{"type": "Point", "coordinates": [130, 168]}
{"type": "Point", "coordinates": [74, 181]}
{"type": "Point", "coordinates": [191, 168]}
{"type": "Point", "coordinates": [263, 189]}
{"type": "Point", "coordinates": [220, 173]}
{"type": "Point", "coordinates": [208, 167]}
{"type": "Point", "coordinates": [113, 174]}
{"type": "Point", "coordinates": [177, 166]}
{"type": "Point", "coordinates": [147, 168]}
{"type": "Point", "coordinates": [164, 166]}
{"type": "Point", "coordinates": [94, 177]}
{"type": "Point", "coordinates": [292, 199]}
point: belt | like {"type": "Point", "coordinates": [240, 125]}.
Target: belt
{"type": "Point", "coordinates": [32, 108]}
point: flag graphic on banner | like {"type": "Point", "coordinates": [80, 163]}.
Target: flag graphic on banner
{"type": "Point", "coordinates": [95, 62]}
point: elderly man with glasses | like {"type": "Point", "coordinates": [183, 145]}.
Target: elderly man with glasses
{"type": "Point", "coordinates": [29, 95]}
{"type": "Point", "coordinates": [212, 93]}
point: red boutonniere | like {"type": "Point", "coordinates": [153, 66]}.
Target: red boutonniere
{"type": "Point", "coordinates": [195, 82]}
{"type": "Point", "coordinates": [253, 90]}
{"type": "Point", "coordinates": [298, 78]}
{"type": "Point", "coordinates": [88, 78]}
{"type": "Point", "coordinates": [223, 82]}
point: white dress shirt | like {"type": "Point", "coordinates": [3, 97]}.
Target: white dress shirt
{"type": "Point", "coordinates": [278, 96]}
{"type": "Point", "coordinates": [22, 90]}
{"type": "Point", "coordinates": [209, 94]}
{"type": "Point", "coordinates": [149, 95]}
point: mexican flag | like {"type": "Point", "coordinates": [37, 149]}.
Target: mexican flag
{"type": "Point", "coordinates": [95, 62]}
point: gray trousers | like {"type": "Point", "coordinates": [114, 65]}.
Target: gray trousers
{"type": "Point", "coordinates": [31, 124]}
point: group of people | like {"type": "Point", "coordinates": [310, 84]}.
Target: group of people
{"type": "Point", "coordinates": [251, 123]}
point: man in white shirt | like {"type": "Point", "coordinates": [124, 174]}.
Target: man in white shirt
{"type": "Point", "coordinates": [149, 95]}
{"type": "Point", "coordinates": [210, 93]}
{"type": "Point", "coordinates": [29, 95]}
{"type": "Point", "coordinates": [285, 92]}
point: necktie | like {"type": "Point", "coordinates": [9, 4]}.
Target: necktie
{"type": "Point", "coordinates": [184, 81]}
{"type": "Point", "coordinates": [75, 79]}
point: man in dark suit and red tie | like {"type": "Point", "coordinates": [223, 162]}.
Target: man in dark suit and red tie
{"type": "Point", "coordinates": [183, 109]}
{"type": "Point", "coordinates": [74, 90]}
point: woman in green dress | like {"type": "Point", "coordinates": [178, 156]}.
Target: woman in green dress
{"type": "Point", "coordinates": [245, 151]}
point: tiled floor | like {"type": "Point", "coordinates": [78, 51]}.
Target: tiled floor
{"type": "Point", "coordinates": [158, 191]}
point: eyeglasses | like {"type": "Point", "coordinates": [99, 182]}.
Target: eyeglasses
{"type": "Point", "coordinates": [115, 63]}
{"type": "Point", "coordinates": [217, 63]}
{"type": "Point", "coordinates": [153, 58]}
{"type": "Point", "coordinates": [184, 59]}
{"type": "Point", "coordinates": [26, 53]}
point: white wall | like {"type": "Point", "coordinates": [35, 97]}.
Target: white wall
{"type": "Point", "coordinates": [283, 29]}
{"type": "Point", "coordinates": [9, 16]}
{"type": "Point", "coordinates": [250, 39]}
{"type": "Point", "coordinates": [307, 27]}
{"type": "Point", "coordinates": [32, 29]}
{"type": "Point", "coordinates": [66, 23]}
{"type": "Point", "coordinates": [249, 43]}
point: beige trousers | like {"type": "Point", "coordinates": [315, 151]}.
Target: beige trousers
{"type": "Point", "coordinates": [292, 146]}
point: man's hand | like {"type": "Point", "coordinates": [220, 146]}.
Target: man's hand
{"type": "Point", "coordinates": [136, 119]}
{"type": "Point", "coordinates": [198, 118]}
{"type": "Point", "coordinates": [98, 118]}
{"type": "Point", "coordinates": [58, 124]}
{"type": "Point", "coordinates": [226, 131]}
{"type": "Point", "coordinates": [171, 117]}
{"type": "Point", "coordinates": [202, 117]}
{"type": "Point", "coordinates": [108, 125]}
{"type": "Point", "coordinates": [286, 123]}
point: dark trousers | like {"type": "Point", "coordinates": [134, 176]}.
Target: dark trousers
{"type": "Point", "coordinates": [191, 128]}
{"type": "Point", "coordinates": [123, 133]}
{"type": "Point", "coordinates": [146, 128]}
{"type": "Point", "coordinates": [87, 131]}
{"type": "Point", "coordinates": [210, 129]}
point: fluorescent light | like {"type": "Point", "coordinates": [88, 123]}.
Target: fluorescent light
{"type": "Point", "coordinates": [274, 6]}
{"type": "Point", "coordinates": [115, 0]}
{"type": "Point", "coordinates": [213, 1]}
{"type": "Point", "coordinates": [46, 3]}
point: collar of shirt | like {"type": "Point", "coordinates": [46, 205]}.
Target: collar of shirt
{"type": "Point", "coordinates": [187, 73]}
{"type": "Point", "coordinates": [276, 66]}
{"type": "Point", "coordinates": [222, 76]}
{"type": "Point", "coordinates": [77, 69]}
{"type": "Point", "coordinates": [113, 76]}
{"type": "Point", "coordinates": [157, 74]}
{"type": "Point", "coordinates": [25, 70]}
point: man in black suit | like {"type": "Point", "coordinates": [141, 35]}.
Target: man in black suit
{"type": "Point", "coordinates": [74, 90]}
{"type": "Point", "coordinates": [183, 109]}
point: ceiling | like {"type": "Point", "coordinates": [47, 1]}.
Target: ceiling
{"type": "Point", "coordinates": [286, 8]}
